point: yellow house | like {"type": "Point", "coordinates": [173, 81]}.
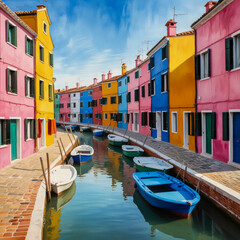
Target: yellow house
{"type": "Point", "coordinates": [182, 89]}
{"type": "Point", "coordinates": [110, 101]}
{"type": "Point", "coordinates": [40, 22]}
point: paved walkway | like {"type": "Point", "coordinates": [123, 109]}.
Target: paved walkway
{"type": "Point", "coordinates": [19, 185]}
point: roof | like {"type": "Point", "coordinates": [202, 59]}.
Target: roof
{"type": "Point", "coordinates": [7, 10]}
{"type": "Point", "coordinates": [70, 90]}
{"type": "Point", "coordinates": [191, 32]}
{"type": "Point", "coordinates": [112, 79]}
{"type": "Point", "coordinates": [23, 13]}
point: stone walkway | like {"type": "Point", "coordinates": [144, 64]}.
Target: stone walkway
{"type": "Point", "coordinates": [19, 185]}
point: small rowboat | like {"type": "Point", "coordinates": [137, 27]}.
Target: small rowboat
{"type": "Point", "coordinates": [73, 127]}
{"type": "Point", "coordinates": [166, 192]}
{"type": "Point", "coordinates": [62, 178]}
{"type": "Point", "coordinates": [98, 132]}
{"type": "Point", "coordinates": [147, 164]}
{"type": "Point", "coordinates": [132, 151]}
{"type": "Point", "coordinates": [117, 140]}
{"type": "Point", "coordinates": [82, 154]}
{"type": "Point", "coordinates": [84, 129]}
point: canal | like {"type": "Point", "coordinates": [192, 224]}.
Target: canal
{"type": "Point", "coordinates": [103, 204]}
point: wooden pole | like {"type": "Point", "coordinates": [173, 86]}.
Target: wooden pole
{"type": "Point", "coordinates": [63, 148]}
{"type": "Point", "coordinates": [49, 178]}
{"type": "Point", "coordinates": [72, 134]}
{"type": "Point", "coordinates": [68, 135]}
{"type": "Point", "coordinates": [49, 195]}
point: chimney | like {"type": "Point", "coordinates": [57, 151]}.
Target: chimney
{"type": "Point", "coordinates": [109, 74]}
{"type": "Point", "coordinates": [77, 85]}
{"type": "Point", "coordinates": [124, 68]}
{"type": "Point", "coordinates": [66, 88]}
{"type": "Point", "coordinates": [41, 6]}
{"type": "Point", "coordinates": [209, 5]}
{"type": "Point", "coordinates": [138, 60]}
{"type": "Point", "coordinates": [95, 81]}
{"type": "Point", "coordinates": [171, 28]}
{"type": "Point", "coordinates": [103, 77]}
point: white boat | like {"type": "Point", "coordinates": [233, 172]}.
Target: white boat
{"type": "Point", "coordinates": [82, 153]}
{"type": "Point", "coordinates": [151, 164]}
{"type": "Point", "coordinates": [132, 151]}
{"type": "Point", "coordinates": [116, 140]}
{"type": "Point", "coordinates": [84, 129]}
{"type": "Point", "coordinates": [62, 178]}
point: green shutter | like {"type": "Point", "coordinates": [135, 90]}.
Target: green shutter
{"type": "Point", "coordinates": [15, 82]}
{"type": "Point", "coordinates": [136, 74]}
{"type": "Point", "coordinates": [32, 48]}
{"type": "Point", "coordinates": [51, 59]}
{"type": "Point", "coordinates": [192, 124]}
{"type": "Point", "coordinates": [25, 129]}
{"type": "Point", "coordinates": [225, 126]}
{"type": "Point", "coordinates": [50, 92]}
{"type": "Point", "coordinates": [26, 45]}
{"type": "Point", "coordinates": [15, 36]}
{"type": "Point", "coordinates": [26, 86]}
{"type": "Point", "coordinates": [8, 83]}
{"type": "Point", "coordinates": [197, 67]}
{"type": "Point", "coordinates": [8, 37]}
{"type": "Point", "coordinates": [213, 125]}
{"type": "Point", "coordinates": [32, 88]}
{"type": "Point", "coordinates": [198, 124]}
{"type": "Point", "coordinates": [229, 53]}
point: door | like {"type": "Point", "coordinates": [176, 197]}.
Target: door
{"type": "Point", "coordinates": [13, 139]}
{"type": "Point", "coordinates": [159, 125]}
{"type": "Point", "coordinates": [186, 129]}
{"type": "Point", "coordinates": [136, 122]}
{"type": "Point", "coordinates": [236, 137]}
{"type": "Point", "coordinates": [208, 133]}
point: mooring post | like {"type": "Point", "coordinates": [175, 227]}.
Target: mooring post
{"type": "Point", "coordinates": [73, 135]}
{"type": "Point", "coordinates": [68, 135]}
{"type": "Point", "coordinates": [45, 178]}
{"type": "Point", "coordinates": [63, 148]}
{"type": "Point", "coordinates": [49, 178]}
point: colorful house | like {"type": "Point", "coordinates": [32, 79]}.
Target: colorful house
{"type": "Point", "coordinates": [122, 98]}
{"type": "Point", "coordinates": [57, 105]}
{"type": "Point", "coordinates": [86, 112]}
{"type": "Point", "coordinates": [110, 100]}
{"type": "Point", "coordinates": [17, 114]}
{"type": "Point", "coordinates": [65, 105]}
{"type": "Point", "coordinates": [40, 22]}
{"type": "Point", "coordinates": [96, 102]}
{"type": "Point", "coordinates": [158, 89]}
{"type": "Point", "coordinates": [217, 77]}
{"type": "Point", "coordinates": [181, 85]}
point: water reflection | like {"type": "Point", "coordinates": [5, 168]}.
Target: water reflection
{"type": "Point", "coordinates": [83, 168]}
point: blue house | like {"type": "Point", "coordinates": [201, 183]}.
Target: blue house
{"type": "Point", "coordinates": [158, 89]}
{"type": "Point", "coordinates": [86, 112]}
{"type": "Point", "coordinates": [122, 99]}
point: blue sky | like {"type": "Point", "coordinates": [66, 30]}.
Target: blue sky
{"type": "Point", "coordinates": [92, 37]}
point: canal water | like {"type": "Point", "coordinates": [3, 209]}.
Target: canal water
{"type": "Point", "coordinates": [103, 204]}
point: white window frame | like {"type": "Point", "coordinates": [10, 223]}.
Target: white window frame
{"type": "Point", "coordinates": [13, 70]}
{"type": "Point", "coordinates": [204, 64]}
{"type": "Point", "coordinates": [33, 46]}
{"type": "Point", "coordinates": [44, 23]}
{"type": "Point", "coordinates": [236, 49]}
{"type": "Point", "coordinates": [174, 122]}
{"type": "Point", "coordinates": [40, 80]}
{"type": "Point", "coordinates": [14, 25]}
{"type": "Point", "coordinates": [140, 72]}
{"type": "Point", "coordinates": [28, 83]}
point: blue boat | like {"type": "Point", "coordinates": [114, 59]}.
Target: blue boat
{"type": "Point", "coordinates": [73, 127]}
{"type": "Point", "coordinates": [98, 132]}
{"type": "Point", "coordinates": [166, 192]}
{"type": "Point", "coordinates": [82, 154]}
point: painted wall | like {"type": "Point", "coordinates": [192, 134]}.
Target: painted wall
{"type": "Point", "coordinates": [219, 93]}
{"type": "Point", "coordinates": [122, 108]}
{"type": "Point", "coordinates": [75, 100]}
{"type": "Point", "coordinates": [144, 103]}
{"type": "Point", "coordinates": [87, 97]}
{"type": "Point", "coordinates": [65, 111]}
{"type": "Point", "coordinates": [181, 86]}
{"type": "Point", "coordinates": [97, 95]}
{"type": "Point", "coordinates": [15, 106]}
{"type": "Point", "coordinates": [159, 100]}
{"type": "Point", "coordinates": [57, 107]}
{"type": "Point", "coordinates": [110, 108]}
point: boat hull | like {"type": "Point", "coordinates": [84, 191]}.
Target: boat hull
{"type": "Point", "coordinates": [81, 159]}
{"type": "Point", "coordinates": [132, 154]}
{"type": "Point", "coordinates": [116, 143]}
{"type": "Point", "coordinates": [148, 169]}
{"type": "Point", "coordinates": [99, 133]}
{"type": "Point", "coordinates": [84, 129]}
{"type": "Point", "coordinates": [59, 189]}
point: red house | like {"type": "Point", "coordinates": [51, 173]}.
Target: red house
{"type": "Point", "coordinates": [96, 105]}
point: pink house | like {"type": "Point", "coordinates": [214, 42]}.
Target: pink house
{"type": "Point", "coordinates": [218, 81]}
{"type": "Point", "coordinates": [17, 102]}
{"type": "Point", "coordinates": [65, 105]}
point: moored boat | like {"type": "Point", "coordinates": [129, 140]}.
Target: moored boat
{"type": "Point", "coordinates": [147, 164]}
{"type": "Point", "coordinates": [62, 178]}
{"type": "Point", "coordinates": [132, 151]}
{"type": "Point", "coordinates": [117, 140]}
{"type": "Point", "coordinates": [98, 132]}
{"type": "Point", "coordinates": [84, 129]}
{"type": "Point", "coordinates": [166, 192]}
{"type": "Point", "coordinates": [82, 153]}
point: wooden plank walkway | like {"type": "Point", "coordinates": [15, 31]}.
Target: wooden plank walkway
{"type": "Point", "coordinates": [19, 185]}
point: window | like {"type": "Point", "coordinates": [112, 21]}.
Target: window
{"type": "Point", "coordinates": [51, 59]}
{"type": "Point", "coordinates": [136, 74]}
{"type": "Point", "coordinates": [113, 100]}
{"type": "Point", "coordinates": [152, 119]}
{"type": "Point", "coordinates": [94, 103]}
{"type": "Point", "coordinates": [41, 52]}
{"type": "Point", "coordinates": [149, 89]}
{"type": "Point", "coordinates": [109, 85]}
{"type": "Point", "coordinates": [74, 115]}
{"type": "Point", "coordinates": [29, 87]}
{"type": "Point", "coordinates": [125, 117]}
{"type": "Point", "coordinates": [81, 104]}
{"type": "Point", "coordinates": [50, 92]}
{"type": "Point", "coordinates": [81, 94]}
{"type": "Point", "coordinates": [164, 53]}
{"type": "Point", "coordinates": [68, 115]}
{"type": "Point", "coordinates": [89, 103]}
{"type": "Point", "coordinates": [41, 89]}
{"type": "Point", "coordinates": [128, 97]}
{"type": "Point", "coordinates": [152, 64]}
{"type": "Point", "coordinates": [174, 122]}
{"type": "Point", "coordinates": [90, 115]}
{"type": "Point", "coordinates": [165, 121]}
{"type": "Point", "coordinates": [120, 117]}
{"type": "Point", "coordinates": [120, 83]}
{"type": "Point", "coordinates": [4, 131]}
{"type": "Point", "coordinates": [61, 115]}
{"type": "Point", "coordinates": [29, 46]}
{"type": "Point", "coordinates": [69, 105]}
{"type": "Point", "coordinates": [96, 115]}
{"type": "Point", "coordinates": [61, 105]}
{"type": "Point", "coordinates": [105, 115]}
{"type": "Point", "coordinates": [128, 79]}
{"type": "Point", "coordinates": [90, 93]}
{"type": "Point", "coordinates": [204, 65]}
{"type": "Point", "coordinates": [136, 95]}
{"type": "Point", "coordinates": [11, 33]}
{"type": "Point", "coordinates": [152, 87]}
{"type": "Point", "coordinates": [74, 105]}
{"type": "Point", "coordinates": [120, 99]}
{"type": "Point", "coordinates": [99, 116]}
{"type": "Point", "coordinates": [104, 101]}
{"type": "Point", "coordinates": [164, 82]}
{"type": "Point", "coordinates": [143, 91]}
{"type": "Point", "coordinates": [44, 27]}
{"type": "Point", "coordinates": [11, 81]}
{"type": "Point", "coordinates": [144, 118]}
{"type": "Point", "coordinates": [30, 129]}
{"type": "Point", "coordinates": [74, 95]}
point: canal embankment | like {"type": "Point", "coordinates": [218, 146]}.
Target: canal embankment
{"type": "Point", "coordinates": [216, 180]}
{"type": "Point", "coordinates": [23, 192]}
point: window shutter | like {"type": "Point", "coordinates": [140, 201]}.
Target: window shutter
{"type": "Point", "coordinates": [149, 89]}
{"type": "Point", "coordinates": [162, 83]}
{"type": "Point", "coordinates": [209, 62]}
{"type": "Point", "coordinates": [142, 119]}
{"type": "Point", "coordinates": [36, 128]}
{"type": "Point", "coordinates": [42, 90]}
{"type": "Point", "coordinates": [152, 62]}
{"type": "Point", "coordinates": [26, 86]}
{"type": "Point", "coordinates": [198, 124]}
{"type": "Point", "coordinates": [32, 48]}
{"type": "Point", "coordinates": [152, 86]}
{"type": "Point", "coordinates": [197, 67]}
{"type": "Point", "coordinates": [15, 82]}
{"type": "Point", "coordinates": [25, 129]}
{"type": "Point", "coordinates": [32, 129]}
{"type": "Point", "coordinates": [167, 50]}
{"type": "Point", "coordinates": [136, 74]}
{"type": "Point", "coordinates": [229, 53]}
{"type": "Point", "coordinates": [8, 82]}
{"type": "Point", "coordinates": [136, 95]}
{"type": "Point", "coordinates": [15, 36]}
{"type": "Point", "coordinates": [26, 47]}
{"type": "Point", "coordinates": [153, 120]}
{"type": "Point", "coordinates": [192, 124]}
{"type": "Point", "coordinates": [167, 82]}
{"type": "Point", "coordinates": [128, 79]}
{"type": "Point", "coordinates": [8, 36]}
{"type": "Point", "coordinates": [213, 125]}
{"type": "Point", "coordinates": [5, 132]}
{"type": "Point", "coordinates": [225, 122]}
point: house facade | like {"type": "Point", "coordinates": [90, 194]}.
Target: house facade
{"type": "Point", "coordinates": [96, 102]}
{"type": "Point", "coordinates": [86, 112]}
{"type": "Point", "coordinates": [217, 77]}
{"type": "Point", "coordinates": [75, 103]}
{"type": "Point", "coordinates": [57, 106]}
{"type": "Point", "coordinates": [65, 105]}
{"type": "Point", "coordinates": [17, 95]}
{"type": "Point", "coordinates": [40, 22]}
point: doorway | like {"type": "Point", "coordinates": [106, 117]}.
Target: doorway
{"type": "Point", "coordinates": [13, 139]}
{"type": "Point", "coordinates": [186, 121]}
{"type": "Point", "coordinates": [236, 137]}
{"type": "Point", "coordinates": [136, 122]}
{"type": "Point", "coordinates": [159, 125]}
